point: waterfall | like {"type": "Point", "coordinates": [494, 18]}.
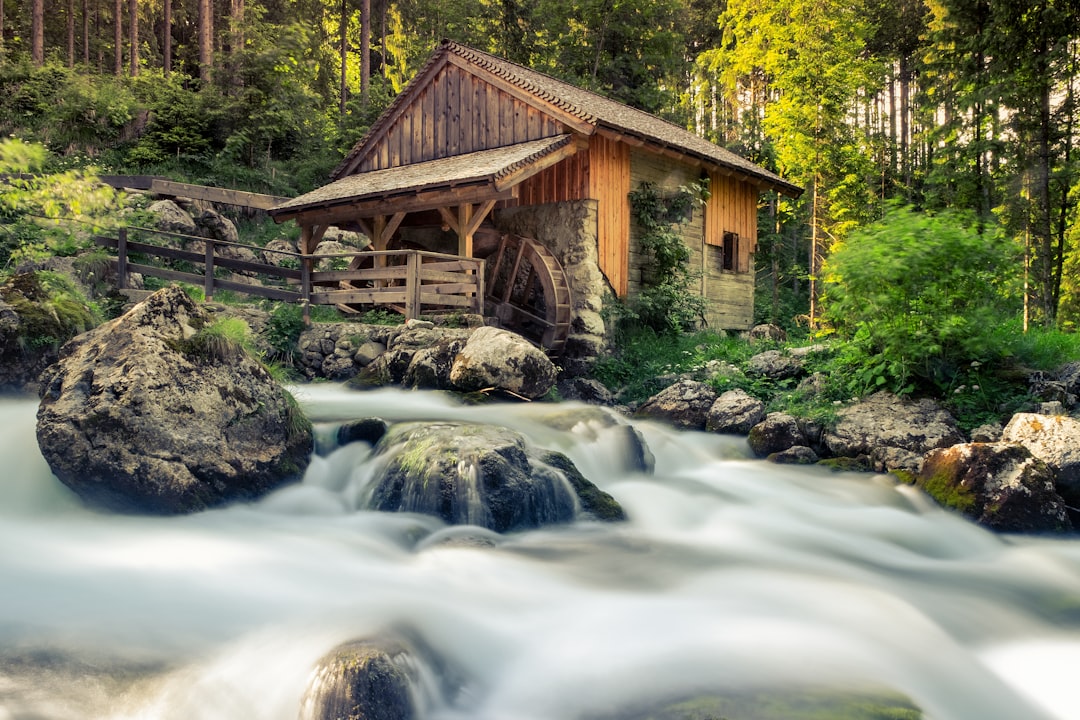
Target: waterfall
{"type": "Point", "coordinates": [731, 577]}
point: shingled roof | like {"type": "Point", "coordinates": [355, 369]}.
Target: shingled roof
{"type": "Point", "coordinates": [495, 168]}
{"type": "Point", "coordinates": [592, 109]}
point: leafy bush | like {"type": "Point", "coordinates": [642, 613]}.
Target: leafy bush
{"type": "Point", "coordinates": [918, 296]}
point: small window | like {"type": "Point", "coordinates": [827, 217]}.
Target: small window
{"type": "Point", "coordinates": [731, 251]}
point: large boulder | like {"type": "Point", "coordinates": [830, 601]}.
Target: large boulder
{"type": "Point", "coordinates": [170, 217]}
{"type": "Point", "coordinates": [214, 225]}
{"type": "Point", "coordinates": [153, 412]}
{"type": "Point", "coordinates": [363, 680]}
{"type": "Point", "coordinates": [1054, 439]}
{"type": "Point", "coordinates": [999, 485]}
{"type": "Point", "coordinates": [735, 411]}
{"type": "Point", "coordinates": [473, 474]}
{"type": "Point", "coordinates": [499, 359]}
{"type": "Point", "coordinates": [685, 405]}
{"type": "Point", "coordinates": [895, 433]}
{"type": "Point", "coordinates": [775, 365]}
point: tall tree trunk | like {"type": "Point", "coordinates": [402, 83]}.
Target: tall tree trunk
{"type": "Point", "coordinates": [166, 39]}
{"type": "Point", "coordinates": [86, 33]}
{"type": "Point", "coordinates": [365, 52]}
{"type": "Point", "coordinates": [343, 49]}
{"type": "Point", "coordinates": [1, 30]}
{"type": "Point", "coordinates": [206, 39]}
{"type": "Point", "coordinates": [236, 29]}
{"type": "Point", "coordinates": [118, 37]}
{"type": "Point", "coordinates": [71, 33]}
{"type": "Point", "coordinates": [905, 90]}
{"type": "Point", "coordinates": [133, 34]}
{"type": "Point", "coordinates": [37, 32]}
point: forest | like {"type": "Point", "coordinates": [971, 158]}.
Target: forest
{"type": "Point", "coordinates": [959, 106]}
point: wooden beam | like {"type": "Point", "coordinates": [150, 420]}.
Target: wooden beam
{"type": "Point", "coordinates": [465, 213]}
{"type": "Point", "coordinates": [402, 203]}
{"type": "Point", "coordinates": [449, 218]}
{"type": "Point", "coordinates": [478, 216]}
{"type": "Point", "coordinates": [527, 171]}
{"type": "Point", "coordinates": [216, 195]}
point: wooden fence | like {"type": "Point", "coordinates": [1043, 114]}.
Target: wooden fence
{"type": "Point", "coordinates": [410, 281]}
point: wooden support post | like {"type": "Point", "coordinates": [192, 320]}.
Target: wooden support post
{"type": "Point", "coordinates": [465, 234]}
{"type": "Point", "coordinates": [208, 271]}
{"type": "Point", "coordinates": [412, 286]}
{"type": "Point", "coordinates": [478, 300]}
{"type": "Point", "coordinates": [121, 260]}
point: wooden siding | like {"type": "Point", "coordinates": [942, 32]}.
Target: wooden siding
{"type": "Point", "coordinates": [564, 181]}
{"type": "Point", "coordinates": [732, 207]}
{"type": "Point", "coordinates": [457, 113]}
{"type": "Point", "coordinates": [609, 184]}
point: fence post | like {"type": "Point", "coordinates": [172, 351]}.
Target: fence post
{"type": "Point", "coordinates": [478, 301]}
{"type": "Point", "coordinates": [305, 288]}
{"type": "Point", "coordinates": [412, 286]}
{"type": "Point", "coordinates": [121, 260]}
{"type": "Point", "coordinates": [208, 271]}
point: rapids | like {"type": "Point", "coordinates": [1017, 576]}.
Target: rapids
{"type": "Point", "coordinates": [732, 576]}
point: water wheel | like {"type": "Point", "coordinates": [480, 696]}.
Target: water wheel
{"type": "Point", "coordinates": [528, 293]}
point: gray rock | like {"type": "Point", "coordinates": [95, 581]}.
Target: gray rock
{"type": "Point", "coordinates": [1054, 439]}
{"type": "Point", "coordinates": [336, 367]}
{"type": "Point", "coordinates": [586, 390]}
{"type": "Point", "coordinates": [332, 247]}
{"type": "Point", "coordinates": [430, 367]}
{"type": "Point", "coordinates": [684, 404]}
{"type": "Point", "coordinates": [215, 225]}
{"type": "Point", "coordinates": [775, 365]}
{"type": "Point", "coordinates": [999, 485]}
{"type": "Point", "coordinates": [587, 322]}
{"type": "Point", "coordinates": [767, 332]}
{"type": "Point", "coordinates": [170, 217]}
{"type": "Point", "coordinates": [367, 352]}
{"type": "Point", "coordinates": [794, 455]}
{"type": "Point", "coordinates": [494, 358]}
{"type": "Point", "coordinates": [884, 420]}
{"type": "Point", "coordinates": [776, 433]}
{"type": "Point", "coordinates": [989, 433]}
{"type": "Point", "coordinates": [352, 240]}
{"type": "Point", "coordinates": [273, 253]}
{"type": "Point", "coordinates": [369, 430]}
{"type": "Point", "coordinates": [735, 411]}
{"type": "Point", "coordinates": [470, 474]}
{"type": "Point", "coordinates": [144, 414]}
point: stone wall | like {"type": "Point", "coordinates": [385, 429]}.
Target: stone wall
{"type": "Point", "coordinates": [568, 229]}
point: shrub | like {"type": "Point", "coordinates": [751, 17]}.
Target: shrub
{"type": "Point", "coordinates": [919, 296]}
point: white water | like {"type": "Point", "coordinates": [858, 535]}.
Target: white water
{"type": "Point", "coordinates": [731, 576]}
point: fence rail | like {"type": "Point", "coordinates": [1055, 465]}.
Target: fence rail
{"type": "Point", "coordinates": [410, 281]}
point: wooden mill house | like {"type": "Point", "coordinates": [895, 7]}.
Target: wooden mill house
{"type": "Point", "coordinates": [481, 157]}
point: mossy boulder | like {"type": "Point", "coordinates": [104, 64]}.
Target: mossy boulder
{"type": "Point", "coordinates": [684, 404]}
{"type": "Point", "coordinates": [502, 360]}
{"type": "Point", "coordinates": [475, 474]}
{"type": "Point", "coordinates": [362, 680]}
{"type": "Point", "coordinates": [999, 485]}
{"type": "Point", "coordinates": [153, 413]}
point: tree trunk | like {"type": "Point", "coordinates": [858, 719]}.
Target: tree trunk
{"type": "Point", "coordinates": [133, 34]}
{"type": "Point", "coordinates": [166, 39]}
{"type": "Point", "coordinates": [905, 89]}
{"type": "Point", "coordinates": [206, 38]}
{"type": "Point", "coordinates": [365, 52]}
{"type": "Point", "coordinates": [86, 33]}
{"type": "Point", "coordinates": [343, 50]}
{"type": "Point", "coordinates": [37, 32]}
{"type": "Point", "coordinates": [118, 37]}
{"type": "Point", "coordinates": [236, 31]}
{"type": "Point", "coordinates": [71, 33]}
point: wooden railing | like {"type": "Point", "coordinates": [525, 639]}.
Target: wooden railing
{"type": "Point", "coordinates": [410, 281]}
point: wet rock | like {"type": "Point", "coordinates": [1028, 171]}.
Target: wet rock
{"type": "Point", "coordinates": [494, 358]}
{"type": "Point", "coordinates": [999, 485]}
{"type": "Point", "coordinates": [586, 390]}
{"type": "Point", "coordinates": [147, 414]}
{"type": "Point", "coordinates": [430, 367]}
{"type": "Point", "coordinates": [624, 441]}
{"type": "Point", "coordinates": [369, 430]}
{"type": "Point", "coordinates": [594, 501]}
{"type": "Point", "coordinates": [685, 404]}
{"type": "Point", "coordinates": [776, 433]}
{"type": "Point", "coordinates": [883, 420]}
{"type": "Point", "coordinates": [362, 680]}
{"type": "Point", "coordinates": [1054, 439]}
{"type": "Point", "coordinates": [470, 474]}
{"type": "Point", "coordinates": [794, 455]}
{"type": "Point", "coordinates": [735, 412]}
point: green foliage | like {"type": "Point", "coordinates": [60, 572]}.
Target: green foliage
{"type": "Point", "coordinates": [282, 332]}
{"type": "Point", "coordinates": [51, 310]}
{"type": "Point", "coordinates": [223, 340]}
{"type": "Point", "coordinates": [918, 296]}
{"type": "Point", "coordinates": [380, 316]}
{"type": "Point", "coordinates": [665, 302]}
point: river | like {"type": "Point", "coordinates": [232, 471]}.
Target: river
{"type": "Point", "coordinates": [731, 576]}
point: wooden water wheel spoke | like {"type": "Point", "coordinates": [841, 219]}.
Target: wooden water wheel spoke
{"type": "Point", "coordinates": [528, 292]}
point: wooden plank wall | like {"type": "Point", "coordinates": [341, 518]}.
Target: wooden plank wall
{"type": "Point", "coordinates": [732, 207]}
{"type": "Point", "coordinates": [567, 180]}
{"type": "Point", "coordinates": [609, 185]}
{"type": "Point", "coordinates": [458, 113]}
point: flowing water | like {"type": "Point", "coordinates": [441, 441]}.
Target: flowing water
{"type": "Point", "coordinates": [731, 576]}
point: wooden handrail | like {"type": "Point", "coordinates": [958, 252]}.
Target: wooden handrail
{"type": "Point", "coordinates": [400, 278]}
